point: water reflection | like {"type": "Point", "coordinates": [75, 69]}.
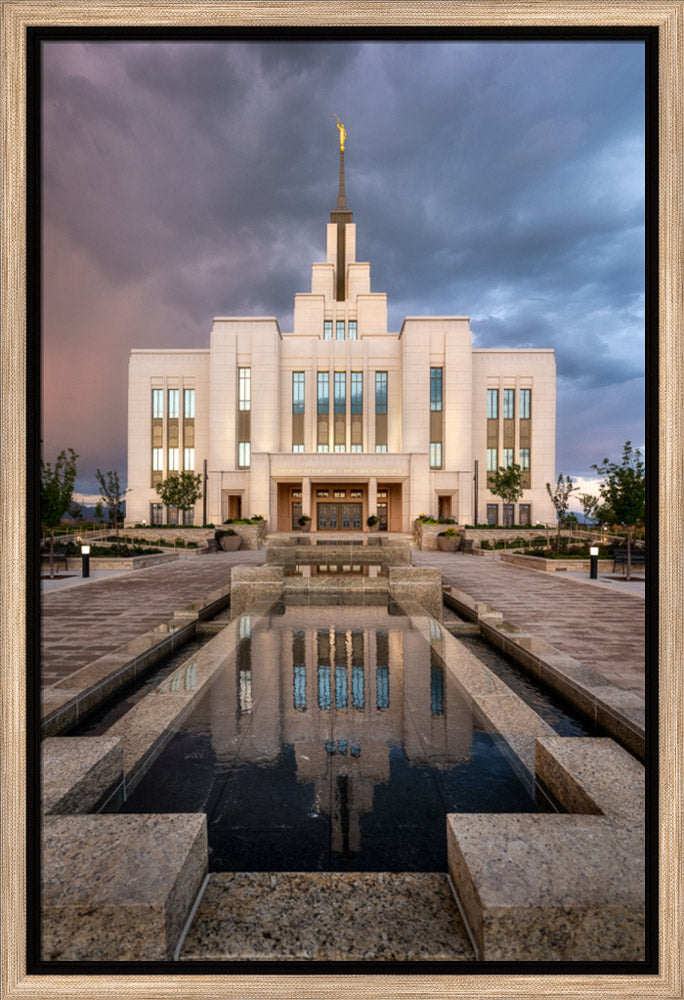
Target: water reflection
{"type": "Point", "coordinates": [334, 739]}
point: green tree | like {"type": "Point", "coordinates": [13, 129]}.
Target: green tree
{"type": "Point", "coordinates": [590, 506]}
{"type": "Point", "coordinates": [507, 483]}
{"type": "Point", "coordinates": [112, 497]}
{"type": "Point", "coordinates": [181, 490]}
{"type": "Point", "coordinates": [623, 490]}
{"type": "Point", "coordinates": [560, 498]}
{"type": "Point", "coordinates": [56, 494]}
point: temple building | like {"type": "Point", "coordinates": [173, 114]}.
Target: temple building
{"type": "Point", "coordinates": [341, 419]}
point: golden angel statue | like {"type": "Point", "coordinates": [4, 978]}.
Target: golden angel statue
{"type": "Point", "coordinates": [343, 133]}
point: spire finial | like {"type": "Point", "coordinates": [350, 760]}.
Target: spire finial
{"type": "Point", "coordinates": [343, 133]}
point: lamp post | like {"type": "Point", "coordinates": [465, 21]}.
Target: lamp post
{"type": "Point", "coordinates": [85, 560]}
{"type": "Point", "coordinates": [593, 562]}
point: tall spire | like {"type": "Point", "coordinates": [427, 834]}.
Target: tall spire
{"type": "Point", "coordinates": [341, 215]}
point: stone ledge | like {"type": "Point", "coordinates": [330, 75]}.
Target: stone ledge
{"type": "Point", "coordinates": [119, 887]}
{"type": "Point", "coordinates": [340, 916]}
{"type": "Point", "coordinates": [549, 887]}
{"type": "Point", "coordinates": [79, 774]}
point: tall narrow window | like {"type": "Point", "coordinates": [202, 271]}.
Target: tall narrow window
{"type": "Point", "coordinates": [327, 329]}
{"type": "Point", "coordinates": [340, 406]}
{"type": "Point", "coordinates": [173, 403]}
{"type": "Point", "coordinates": [189, 459]}
{"type": "Point", "coordinates": [525, 459]}
{"type": "Point", "coordinates": [157, 459]}
{"type": "Point", "coordinates": [189, 403]}
{"type": "Point", "coordinates": [525, 404]}
{"type": "Point", "coordinates": [157, 441]}
{"type": "Point", "coordinates": [435, 418]}
{"type": "Point", "coordinates": [382, 669]}
{"type": "Point", "coordinates": [244, 428]}
{"type": "Point", "coordinates": [157, 404]}
{"type": "Point", "coordinates": [173, 459]}
{"type": "Point", "coordinates": [339, 329]}
{"type": "Point", "coordinates": [323, 408]}
{"type": "Point", "coordinates": [436, 389]}
{"type": "Point", "coordinates": [507, 457]}
{"type": "Point", "coordinates": [509, 404]}
{"type": "Point", "coordinates": [381, 411]}
{"type": "Point", "coordinates": [298, 671]}
{"type": "Point", "coordinates": [353, 329]}
{"type": "Point", "coordinates": [298, 411]}
{"type": "Point", "coordinates": [356, 411]}
{"type": "Point", "coordinates": [245, 389]}
{"type": "Point", "coordinates": [492, 404]}
{"type": "Point", "coordinates": [492, 459]}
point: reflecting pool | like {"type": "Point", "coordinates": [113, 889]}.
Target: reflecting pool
{"type": "Point", "coordinates": [333, 740]}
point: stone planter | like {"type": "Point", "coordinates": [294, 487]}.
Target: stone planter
{"type": "Point", "coordinates": [446, 543]}
{"type": "Point", "coordinates": [306, 526]}
{"type": "Point", "coordinates": [230, 543]}
{"type": "Point", "coordinates": [374, 527]}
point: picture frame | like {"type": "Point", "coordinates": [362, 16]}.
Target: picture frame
{"type": "Point", "coordinates": [17, 15]}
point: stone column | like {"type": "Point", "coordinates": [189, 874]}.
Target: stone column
{"type": "Point", "coordinates": [306, 495]}
{"type": "Point", "coordinates": [372, 496]}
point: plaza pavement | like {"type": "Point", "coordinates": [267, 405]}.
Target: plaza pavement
{"type": "Point", "coordinates": [599, 623]}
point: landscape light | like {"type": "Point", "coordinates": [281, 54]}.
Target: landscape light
{"type": "Point", "coordinates": [593, 562]}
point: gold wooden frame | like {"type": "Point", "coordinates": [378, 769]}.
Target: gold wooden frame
{"type": "Point", "coordinates": [668, 16]}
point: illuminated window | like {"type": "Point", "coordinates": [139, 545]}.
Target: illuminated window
{"type": "Point", "coordinates": [492, 404]}
{"type": "Point", "coordinates": [436, 455]}
{"type": "Point", "coordinates": [243, 454]}
{"type": "Point", "coordinates": [327, 329]}
{"type": "Point", "coordinates": [173, 459]}
{"type": "Point", "coordinates": [297, 447]}
{"type": "Point", "coordinates": [323, 448]}
{"type": "Point", "coordinates": [339, 329]}
{"type": "Point", "coordinates": [353, 330]}
{"type": "Point", "coordinates": [492, 456]}
{"type": "Point", "coordinates": [157, 459]}
{"type": "Point", "coordinates": [381, 448]}
{"type": "Point", "coordinates": [189, 459]}
{"type": "Point", "coordinates": [157, 403]}
{"type": "Point", "coordinates": [245, 389]}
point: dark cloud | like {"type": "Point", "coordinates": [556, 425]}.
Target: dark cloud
{"type": "Point", "coordinates": [185, 180]}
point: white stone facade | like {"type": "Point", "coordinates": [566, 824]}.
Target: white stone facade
{"type": "Point", "coordinates": [419, 457]}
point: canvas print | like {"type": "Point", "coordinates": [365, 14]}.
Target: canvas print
{"type": "Point", "coordinates": [344, 558]}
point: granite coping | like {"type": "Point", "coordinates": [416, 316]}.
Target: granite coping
{"type": "Point", "coordinates": [549, 887]}
{"type": "Point", "coordinates": [618, 711]}
{"type": "Point", "coordinates": [79, 774]}
{"type": "Point", "coordinates": [119, 887]}
{"type": "Point", "coordinates": [330, 916]}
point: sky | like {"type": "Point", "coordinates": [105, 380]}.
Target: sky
{"type": "Point", "coordinates": [502, 180]}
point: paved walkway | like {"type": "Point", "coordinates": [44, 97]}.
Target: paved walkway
{"type": "Point", "coordinates": [601, 624]}
{"type": "Point", "coordinates": [82, 622]}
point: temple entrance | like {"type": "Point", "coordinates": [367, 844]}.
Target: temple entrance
{"type": "Point", "coordinates": [339, 516]}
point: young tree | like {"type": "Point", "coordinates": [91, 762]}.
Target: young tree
{"type": "Point", "coordinates": [560, 498]}
{"type": "Point", "coordinates": [56, 489]}
{"type": "Point", "coordinates": [112, 497]}
{"type": "Point", "coordinates": [623, 490]}
{"type": "Point", "coordinates": [181, 490]}
{"type": "Point", "coordinates": [507, 483]}
{"type": "Point", "coordinates": [590, 506]}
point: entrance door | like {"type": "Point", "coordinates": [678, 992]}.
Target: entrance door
{"type": "Point", "coordinates": [339, 516]}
